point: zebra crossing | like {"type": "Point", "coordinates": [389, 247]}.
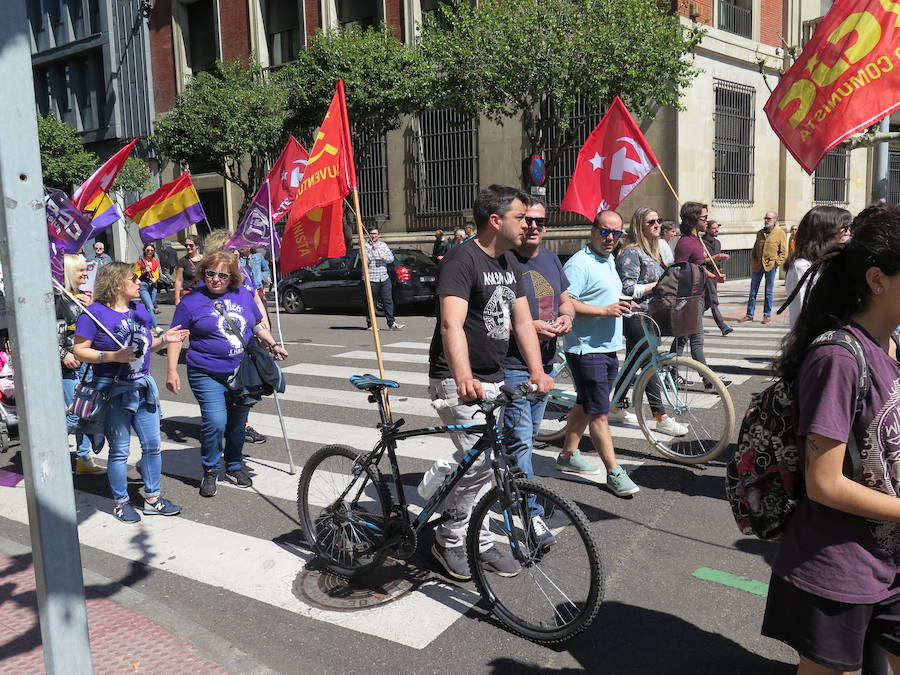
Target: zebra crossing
{"type": "Point", "coordinates": [264, 569]}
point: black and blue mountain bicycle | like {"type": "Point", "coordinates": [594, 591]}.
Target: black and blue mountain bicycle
{"type": "Point", "coordinates": [355, 518]}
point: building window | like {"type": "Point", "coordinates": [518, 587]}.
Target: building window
{"type": "Point", "coordinates": [733, 147]}
{"type": "Point", "coordinates": [894, 177]}
{"type": "Point", "coordinates": [446, 166]}
{"type": "Point", "coordinates": [736, 16]}
{"type": "Point", "coordinates": [585, 116]}
{"type": "Point", "coordinates": [365, 13]}
{"type": "Point", "coordinates": [831, 180]}
{"type": "Point", "coordinates": [283, 31]}
{"type": "Point", "coordinates": [76, 16]}
{"type": "Point", "coordinates": [201, 48]}
{"type": "Point", "coordinates": [370, 153]}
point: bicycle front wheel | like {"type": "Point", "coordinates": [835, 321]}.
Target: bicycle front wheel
{"type": "Point", "coordinates": [344, 506]}
{"type": "Point", "coordinates": [559, 589]}
{"type": "Point", "coordinates": [692, 396]}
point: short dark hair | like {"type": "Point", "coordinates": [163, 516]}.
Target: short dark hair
{"type": "Point", "coordinates": [666, 225]}
{"type": "Point", "coordinates": [496, 199]}
{"type": "Point", "coordinates": [690, 216]}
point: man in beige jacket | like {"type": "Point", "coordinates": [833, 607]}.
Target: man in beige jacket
{"type": "Point", "coordinates": [769, 252]}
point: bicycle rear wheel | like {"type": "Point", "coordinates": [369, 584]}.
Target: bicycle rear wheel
{"type": "Point", "coordinates": [556, 415]}
{"type": "Point", "coordinates": [558, 592]}
{"type": "Point", "coordinates": [344, 508]}
{"type": "Point", "coordinates": [693, 396]}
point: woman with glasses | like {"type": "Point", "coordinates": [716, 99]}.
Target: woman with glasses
{"type": "Point", "coordinates": [186, 268]}
{"type": "Point", "coordinates": [819, 229]}
{"type": "Point", "coordinates": [124, 374]}
{"type": "Point", "coordinates": [221, 316]}
{"type": "Point", "coordinates": [147, 269]}
{"type": "Point", "coordinates": [640, 266]}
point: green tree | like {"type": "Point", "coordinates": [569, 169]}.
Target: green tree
{"type": "Point", "coordinates": [64, 160]}
{"type": "Point", "coordinates": [134, 176]}
{"type": "Point", "coordinates": [535, 58]}
{"type": "Point", "coordinates": [231, 120]}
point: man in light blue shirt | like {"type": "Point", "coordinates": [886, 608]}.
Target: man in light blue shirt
{"type": "Point", "coordinates": [595, 289]}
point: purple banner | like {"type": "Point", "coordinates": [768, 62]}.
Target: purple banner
{"type": "Point", "coordinates": [66, 225]}
{"type": "Point", "coordinates": [254, 230]}
{"type": "Point", "coordinates": [57, 263]}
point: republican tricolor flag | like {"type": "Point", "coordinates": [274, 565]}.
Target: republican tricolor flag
{"type": "Point", "coordinates": [171, 208]}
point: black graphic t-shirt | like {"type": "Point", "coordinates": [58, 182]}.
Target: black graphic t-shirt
{"type": "Point", "coordinates": [491, 286]}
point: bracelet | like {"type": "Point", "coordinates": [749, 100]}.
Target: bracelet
{"type": "Point", "coordinates": [102, 357]}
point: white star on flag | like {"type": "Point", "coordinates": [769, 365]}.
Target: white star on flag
{"type": "Point", "coordinates": [597, 161]}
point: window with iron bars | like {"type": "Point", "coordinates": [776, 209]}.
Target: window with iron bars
{"type": "Point", "coordinates": [894, 177]}
{"type": "Point", "coordinates": [585, 116]}
{"type": "Point", "coordinates": [445, 149]}
{"type": "Point", "coordinates": [733, 146]}
{"type": "Point", "coordinates": [831, 180]}
{"type": "Point", "coordinates": [370, 153]}
{"type": "Point", "coordinates": [736, 16]}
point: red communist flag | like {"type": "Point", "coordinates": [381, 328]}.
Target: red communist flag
{"type": "Point", "coordinates": [330, 175]}
{"type": "Point", "coordinates": [285, 177]}
{"type": "Point", "coordinates": [846, 79]}
{"type": "Point", "coordinates": [611, 163]}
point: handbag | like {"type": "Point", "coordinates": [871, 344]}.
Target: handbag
{"type": "Point", "coordinates": [258, 374]}
{"type": "Point", "coordinates": [676, 303]}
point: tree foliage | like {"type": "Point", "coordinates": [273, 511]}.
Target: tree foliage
{"type": "Point", "coordinates": [536, 58]}
{"type": "Point", "coordinates": [64, 161]}
{"type": "Point", "coordinates": [230, 119]}
{"type": "Point", "coordinates": [134, 176]}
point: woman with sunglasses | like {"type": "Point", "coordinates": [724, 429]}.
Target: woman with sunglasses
{"type": "Point", "coordinates": [147, 269]}
{"type": "Point", "coordinates": [221, 316]}
{"type": "Point", "coordinates": [186, 268]}
{"type": "Point", "coordinates": [124, 374]}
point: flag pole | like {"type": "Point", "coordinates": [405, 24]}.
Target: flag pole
{"type": "Point", "coordinates": [678, 201]}
{"type": "Point", "coordinates": [274, 266]}
{"type": "Point", "coordinates": [373, 318]}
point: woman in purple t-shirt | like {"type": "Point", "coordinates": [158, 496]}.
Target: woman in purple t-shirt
{"type": "Point", "coordinates": [836, 577]}
{"type": "Point", "coordinates": [221, 316]}
{"type": "Point", "coordinates": [124, 373]}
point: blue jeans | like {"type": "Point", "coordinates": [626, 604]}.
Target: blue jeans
{"type": "Point", "coordinates": [521, 422]}
{"type": "Point", "coordinates": [83, 442]}
{"type": "Point", "coordinates": [770, 291]}
{"type": "Point", "coordinates": [221, 418]}
{"type": "Point", "coordinates": [384, 290]}
{"type": "Point", "coordinates": [148, 297]}
{"type": "Point", "coordinates": [119, 423]}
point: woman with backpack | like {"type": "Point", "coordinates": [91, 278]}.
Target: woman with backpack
{"type": "Point", "coordinates": [835, 577]}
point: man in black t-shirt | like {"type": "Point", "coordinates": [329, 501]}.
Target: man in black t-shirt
{"type": "Point", "coordinates": [481, 303]}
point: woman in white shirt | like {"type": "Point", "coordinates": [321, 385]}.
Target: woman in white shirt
{"type": "Point", "coordinates": [820, 229]}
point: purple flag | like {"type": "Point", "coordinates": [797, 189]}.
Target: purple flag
{"type": "Point", "coordinates": [255, 229]}
{"type": "Point", "coordinates": [66, 225]}
{"type": "Point", "coordinates": [57, 263]}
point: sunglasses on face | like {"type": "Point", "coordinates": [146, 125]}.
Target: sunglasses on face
{"type": "Point", "coordinates": [221, 276]}
{"type": "Point", "coordinates": [606, 232]}
{"type": "Point", "coordinates": [537, 222]}
{"type": "Point", "coordinates": [652, 221]}
{"type": "Point", "coordinates": [190, 245]}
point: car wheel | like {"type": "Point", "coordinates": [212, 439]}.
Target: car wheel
{"type": "Point", "coordinates": [292, 301]}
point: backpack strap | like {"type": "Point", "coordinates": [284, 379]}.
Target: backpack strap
{"type": "Point", "coordinates": [848, 341]}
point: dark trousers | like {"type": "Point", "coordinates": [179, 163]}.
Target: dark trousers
{"type": "Point", "coordinates": [634, 333]}
{"type": "Point", "coordinates": [383, 290]}
{"type": "Point", "coordinates": [712, 299]}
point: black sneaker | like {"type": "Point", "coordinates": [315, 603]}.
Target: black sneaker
{"type": "Point", "coordinates": [208, 485]}
{"type": "Point", "coordinates": [708, 385]}
{"type": "Point", "coordinates": [239, 478]}
{"type": "Point", "coordinates": [251, 435]}
{"type": "Point", "coordinates": [454, 561]}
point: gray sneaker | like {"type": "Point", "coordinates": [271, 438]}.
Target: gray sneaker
{"type": "Point", "coordinates": [575, 464]}
{"type": "Point", "coordinates": [494, 560]}
{"type": "Point", "coordinates": [453, 560]}
{"type": "Point", "coordinates": [620, 484]}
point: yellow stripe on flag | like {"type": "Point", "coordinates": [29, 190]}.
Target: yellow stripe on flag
{"type": "Point", "coordinates": [172, 206]}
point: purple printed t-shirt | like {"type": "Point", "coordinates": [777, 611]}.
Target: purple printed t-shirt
{"type": "Point", "coordinates": [690, 249]}
{"type": "Point", "coordinates": [214, 348]}
{"type": "Point", "coordinates": [137, 334]}
{"type": "Point", "coordinates": [831, 553]}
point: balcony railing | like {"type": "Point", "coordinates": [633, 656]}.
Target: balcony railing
{"type": "Point", "coordinates": [736, 18]}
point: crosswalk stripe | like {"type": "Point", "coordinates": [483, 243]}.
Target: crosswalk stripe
{"type": "Point", "coordinates": [355, 399]}
{"type": "Point", "coordinates": [255, 568]}
{"type": "Point", "coordinates": [345, 372]}
{"type": "Point", "coordinates": [387, 356]}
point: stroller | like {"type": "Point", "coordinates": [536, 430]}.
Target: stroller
{"type": "Point", "coordinates": [9, 419]}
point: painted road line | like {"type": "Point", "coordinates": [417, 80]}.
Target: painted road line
{"type": "Point", "coordinates": [345, 372]}
{"type": "Point", "coordinates": [387, 356]}
{"type": "Point", "coordinates": [756, 367]}
{"type": "Point", "coordinates": [254, 568]}
{"type": "Point", "coordinates": [359, 400]}
{"type": "Point", "coordinates": [732, 580]}
{"type": "Point", "coordinates": [736, 350]}
{"type": "Point", "coordinates": [409, 345]}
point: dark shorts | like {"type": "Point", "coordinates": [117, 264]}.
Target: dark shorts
{"type": "Point", "coordinates": [593, 375]}
{"type": "Point", "coordinates": [828, 632]}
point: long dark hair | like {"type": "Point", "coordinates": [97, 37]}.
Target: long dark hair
{"type": "Point", "coordinates": [817, 232]}
{"type": "Point", "coordinates": [841, 290]}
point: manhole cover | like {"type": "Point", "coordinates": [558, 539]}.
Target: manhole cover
{"type": "Point", "coordinates": [324, 590]}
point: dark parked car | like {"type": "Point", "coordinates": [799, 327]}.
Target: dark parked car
{"type": "Point", "coordinates": [336, 283]}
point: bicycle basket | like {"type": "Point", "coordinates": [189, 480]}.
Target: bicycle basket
{"type": "Point", "coordinates": [676, 316]}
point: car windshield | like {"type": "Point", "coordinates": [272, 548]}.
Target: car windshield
{"type": "Point", "coordinates": [408, 257]}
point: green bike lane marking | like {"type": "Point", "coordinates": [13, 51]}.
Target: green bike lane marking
{"type": "Point", "coordinates": [732, 580]}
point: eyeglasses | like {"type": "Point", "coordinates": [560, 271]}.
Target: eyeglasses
{"type": "Point", "coordinates": [704, 218]}
{"type": "Point", "coordinates": [190, 245]}
{"type": "Point", "coordinates": [606, 232]}
{"type": "Point", "coordinates": [652, 221]}
{"type": "Point", "coordinates": [537, 222]}
{"type": "Point", "coordinates": [221, 276]}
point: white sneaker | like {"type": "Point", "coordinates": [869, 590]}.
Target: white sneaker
{"type": "Point", "coordinates": [397, 326]}
{"type": "Point", "coordinates": [669, 426]}
{"type": "Point", "coordinates": [622, 416]}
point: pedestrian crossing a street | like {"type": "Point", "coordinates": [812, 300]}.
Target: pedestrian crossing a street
{"type": "Point", "coordinates": [240, 556]}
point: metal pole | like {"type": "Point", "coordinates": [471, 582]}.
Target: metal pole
{"type": "Point", "coordinates": [881, 165]}
{"type": "Point", "coordinates": [273, 267]}
{"type": "Point", "coordinates": [287, 445]}
{"type": "Point", "coordinates": [45, 458]}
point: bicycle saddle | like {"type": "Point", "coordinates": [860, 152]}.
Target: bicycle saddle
{"type": "Point", "coordinates": [371, 383]}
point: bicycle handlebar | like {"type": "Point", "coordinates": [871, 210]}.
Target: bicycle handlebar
{"type": "Point", "coordinates": [506, 395]}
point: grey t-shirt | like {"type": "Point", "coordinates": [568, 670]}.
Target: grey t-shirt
{"type": "Point", "coordinates": [830, 553]}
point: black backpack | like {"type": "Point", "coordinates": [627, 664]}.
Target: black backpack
{"type": "Point", "coordinates": [676, 301]}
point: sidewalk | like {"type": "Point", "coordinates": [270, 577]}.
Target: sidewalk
{"type": "Point", "coordinates": [122, 640]}
{"type": "Point", "coordinates": [733, 303]}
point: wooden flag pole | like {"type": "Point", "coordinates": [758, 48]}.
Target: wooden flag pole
{"type": "Point", "coordinates": [373, 318]}
{"type": "Point", "coordinates": [678, 201]}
